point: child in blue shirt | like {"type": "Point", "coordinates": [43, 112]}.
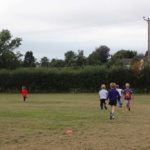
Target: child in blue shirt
{"type": "Point", "coordinates": [113, 96]}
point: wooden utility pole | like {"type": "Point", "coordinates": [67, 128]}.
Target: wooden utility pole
{"type": "Point", "coordinates": [148, 21]}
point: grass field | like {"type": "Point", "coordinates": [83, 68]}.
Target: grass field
{"type": "Point", "coordinates": [42, 121]}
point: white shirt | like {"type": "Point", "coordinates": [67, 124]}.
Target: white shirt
{"type": "Point", "coordinates": [119, 91]}
{"type": "Point", "coordinates": [103, 94]}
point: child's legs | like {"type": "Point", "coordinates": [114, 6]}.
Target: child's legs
{"type": "Point", "coordinates": [113, 104]}
{"type": "Point", "coordinates": [101, 103]}
{"type": "Point", "coordinates": [127, 102]}
{"type": "Point", "coordinates": [113, 109]}
{"type": "Point", "coordinates": [112, 112]}
{"type": "Point", "coordinates": [105, 104]}
{"type": "Point", "coordinates": [24, 98]}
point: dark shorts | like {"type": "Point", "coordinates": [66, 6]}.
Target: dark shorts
{"type": "Point", "coordinates": [113, 102]}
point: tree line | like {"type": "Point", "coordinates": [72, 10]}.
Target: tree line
{"type": "Point", "coordinates": [76, 73]}
{"type": "Point", "coordinates": [10, 59]}
{"type": "Point", "coordinates": [87, 79]}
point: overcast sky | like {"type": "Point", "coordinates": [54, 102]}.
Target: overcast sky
{"type": "Point", "coordinates": [52, 27]}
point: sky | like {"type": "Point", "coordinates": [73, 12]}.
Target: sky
{"type": "Point", "coordinates": [52, 27]}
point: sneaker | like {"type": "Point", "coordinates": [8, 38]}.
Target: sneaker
{"type": "Point", "coordinates": [113, 117]}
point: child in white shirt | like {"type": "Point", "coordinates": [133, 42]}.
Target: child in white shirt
{"type": "Point", "coordinates": [103, 94]}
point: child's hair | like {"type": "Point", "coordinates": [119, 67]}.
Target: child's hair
{"type": "Point", "coordinates": [127, 85]}
{"type": "Point", "coordinates": [112, 85]}
{"type": "Point", "coordinates": [103, 86]}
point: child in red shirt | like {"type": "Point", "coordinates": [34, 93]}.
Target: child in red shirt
{"type": "Point", "coordinates": [24, 93]}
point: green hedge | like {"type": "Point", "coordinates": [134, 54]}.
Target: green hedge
{"type": "Point", "coordinates": [86, 79]}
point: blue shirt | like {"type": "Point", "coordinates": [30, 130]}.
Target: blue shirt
{"type": "Point", "coordinates": [113, 95]}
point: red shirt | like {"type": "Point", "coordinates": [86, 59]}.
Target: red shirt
{"type": "Point", "coordinates": [24, 92]}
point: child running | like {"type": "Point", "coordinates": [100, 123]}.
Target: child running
{"type": "Point", "coordinates": [120, 93]}
{"type": "Point", "coordinates": [24, 93]}
{"type": "Point", "coordinates": [113, 96]}
{"type": "Point", "coordinates": [127, 96]}
{"type": "Point", "coordinates": [103, 94]}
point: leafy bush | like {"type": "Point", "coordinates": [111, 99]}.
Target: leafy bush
{"type": "Point", "coordinates": [78, 79]}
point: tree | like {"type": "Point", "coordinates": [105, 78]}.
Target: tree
{"type": "Point", "coordinates": [124, 54]}
{"type": "Point", "coordinates": [93, 59]}
{"type": "Point", "coordinates": [57, 63]}
{"type": "Point", "coordinates": [9, 59]}
{"type": "Point", "coordinates": [99, 56]}
{"type": "Point", "coordinates": [29, 59]}
{"type": "Point", "coordinates": [44, 62]}
{"type": "Point", "coordinates": [123, 57]}
{"type": "Point", "coordinates": [81, 60]}
{"type": "Point", "coordinates": [136, 64]}
{"type": "Point", "coordinates": [103, 52]}
{"type": "Point", "coordinates": [70, 59]}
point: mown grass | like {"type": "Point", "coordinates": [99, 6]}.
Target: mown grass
{"type": "Point", "coordinates": [41, 123]}
{"type": "Point", "coordinates": [46, 111]}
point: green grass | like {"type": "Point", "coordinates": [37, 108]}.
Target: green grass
{"type": "Point", "coordinates": [41, 123]}
{"type": "Point", "coordinates": [57, 110]}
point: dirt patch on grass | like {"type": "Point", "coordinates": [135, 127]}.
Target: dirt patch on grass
{"type": "Point", "coordinates": [108, 136]}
